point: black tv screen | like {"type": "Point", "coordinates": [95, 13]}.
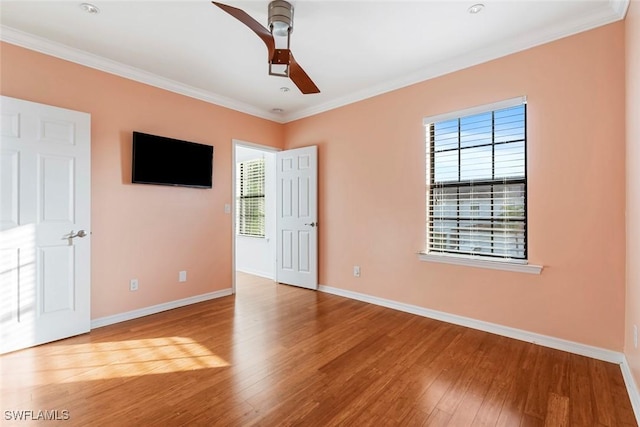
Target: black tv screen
{"type": "Point", "coordinates": [167, 161]}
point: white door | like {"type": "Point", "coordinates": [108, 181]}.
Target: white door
{"type": "Point", "coordinates": [45, 188]}
{"type": "Point", "coordinates": [297, 217]}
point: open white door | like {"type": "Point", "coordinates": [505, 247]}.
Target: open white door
{"type": "Point", "coordinates": [297, 217]}
{"type": "Point", "coordinates": [45, 189]}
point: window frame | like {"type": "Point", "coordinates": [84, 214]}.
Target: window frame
{"type": "Point", "coordinates": [476, 260]}
{"type": "Point", "coordinates": [241, 219]}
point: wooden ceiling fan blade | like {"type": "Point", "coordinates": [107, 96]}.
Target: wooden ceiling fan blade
{"type": "Point", "coordinates": [254, 25]}
{"type": "Point", "coordinates": [300, 78]}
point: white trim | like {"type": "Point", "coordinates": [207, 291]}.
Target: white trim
{"type": "Point", "coordinates": [507, 265]}
{"type": "Point", "coordinates": [134, 314]}
{"type": "Point", "coordinates": [632, 388]}
{"type": "Point", "coordinates": [476, 110]}
{"type": "Point", "coordinates": [619, 7]}
{"type": "Point", "coordinates": [262, 274]}
{"type": "Point", "coordinates": [59, 50]}
{"type": "Point", "coordinates": [519, 334]}
{"type": "Point", "coordinates": [616, 11]}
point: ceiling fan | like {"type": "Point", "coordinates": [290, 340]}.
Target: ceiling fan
{"type": "Point", "coordinates": [280, 27]}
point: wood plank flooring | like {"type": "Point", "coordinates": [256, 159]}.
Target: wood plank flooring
{"type": "Point", "coordinates": [275, 355]}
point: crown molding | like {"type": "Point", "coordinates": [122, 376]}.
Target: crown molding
{"type": "Point", "coordinates": [619, 7]}
{"type": "Point", "coordinates": [616, 11]}
{"type": "Point", "coordinates": [59, 50]}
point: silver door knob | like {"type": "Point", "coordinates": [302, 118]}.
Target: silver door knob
{"type": "Point", "coordinates": [313, 224]}
{"type": "Point", "coordinates": [80, 234]}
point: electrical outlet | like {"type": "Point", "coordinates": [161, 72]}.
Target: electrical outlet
{"type": "Point", "coordinates": [356, 271]}
{"type": "Point", "coordinates": [182, 276]}
{"type": "Point", "coordinates": [133, 285]}
{"type": "Point", "coordinates": [635, 336]}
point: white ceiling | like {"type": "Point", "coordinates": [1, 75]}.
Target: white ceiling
{"type": "Point", "coordinates": [351, 49]}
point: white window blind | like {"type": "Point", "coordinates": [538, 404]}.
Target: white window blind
{"type": "Point", "coordinates": [477, 182]}
{"type": "Point", "coordinates": [250, 198]}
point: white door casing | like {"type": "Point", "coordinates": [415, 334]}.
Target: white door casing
{"type": "Point", "coordinates": [45, 190]}
{"type": "Point", "coordinates": [297, 217]}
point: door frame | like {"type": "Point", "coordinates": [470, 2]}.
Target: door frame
{"type": "Point", "coordinates": [235, 143]}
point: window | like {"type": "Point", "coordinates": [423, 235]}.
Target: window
{"type": "Point", "coordinates": [250, 198]}
{"type": "Point", "coordinates": [477, 182]}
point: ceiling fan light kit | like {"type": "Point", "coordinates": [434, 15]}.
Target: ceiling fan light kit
{"type": "Point", "coordinates": [280, 25]}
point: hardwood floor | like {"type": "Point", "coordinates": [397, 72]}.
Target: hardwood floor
{"type": "Point", "coordinates": [277, 355]}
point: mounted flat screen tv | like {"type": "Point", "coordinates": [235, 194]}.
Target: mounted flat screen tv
{"type": "Point", "coordinates": [167, 161]}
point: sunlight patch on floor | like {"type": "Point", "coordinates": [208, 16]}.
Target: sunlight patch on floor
{"type": "Point", "coordinates": [99, 361]}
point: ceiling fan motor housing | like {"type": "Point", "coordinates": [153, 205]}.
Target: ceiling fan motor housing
{"type": "Point", "coordinates": [280, 18]}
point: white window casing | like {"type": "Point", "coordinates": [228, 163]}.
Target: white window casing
{"type": "Point", "coordinates": [476, 187]}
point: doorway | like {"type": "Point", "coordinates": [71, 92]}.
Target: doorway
{"type": "Point", "coordinates": [254, 193]}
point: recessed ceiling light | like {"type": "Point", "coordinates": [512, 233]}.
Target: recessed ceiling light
{"type": "Point", "coordinates": [476, 8]}
{"type": "Point", "coordinates": [277, 110]}
{"type": "Point", "coordinates": [90, 8]}
{"type": "Point", "coordinates": [284, 89]}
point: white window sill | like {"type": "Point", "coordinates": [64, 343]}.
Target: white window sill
{"type": "Point", "coordinates": [250, 236]}
{"type": "Point", "coordinates": [516, 265]}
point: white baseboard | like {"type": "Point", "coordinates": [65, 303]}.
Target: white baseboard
{"type": "Point", "coordinates": [632, 388]}
{"type": "Point", "coordinates": [257, 273]}
{"type": "Point", "coordinates": [519, 334]}
{"type": "Point", "coordinates": [141, 312]}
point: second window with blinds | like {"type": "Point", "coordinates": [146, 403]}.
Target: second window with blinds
{"type": "Point", "coordinates": [477, 182]}
{"type": "Point", "coordinates": [250, 198]}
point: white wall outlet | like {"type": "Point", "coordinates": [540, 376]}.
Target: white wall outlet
{"type": "Point", "coordinates": [635, 336]}
{"type": "Point", "coordinates": [133, 285]}
{"type": "Point", "coordinates": [227, 208]}
{"type": "Point", "coordinates": [182, 276]}
{"type": "Point", "coordinates": [356, 271]}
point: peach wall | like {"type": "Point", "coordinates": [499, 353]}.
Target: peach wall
{"type": "Point", "coordinates": [372, 192]}
{"type": "Point", "coordinates": [142, 231]}
{"type": "Point", "coordinates": [372, 188]}
{"type": "Point", "coordinates": [632, 25]}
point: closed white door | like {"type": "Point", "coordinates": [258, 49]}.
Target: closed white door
{"type": "Point", "coordinates": [297, 217]}
{"type": "Point", "coordinates": [45, 168]}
